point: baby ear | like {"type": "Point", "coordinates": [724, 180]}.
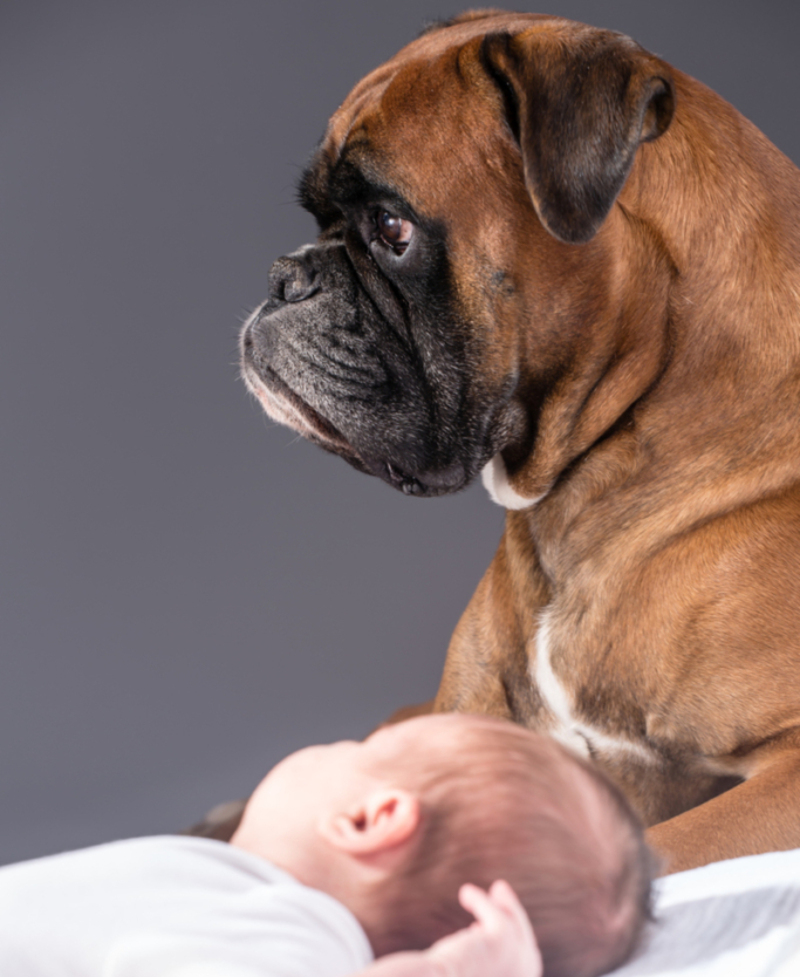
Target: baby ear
{"type": "Point", "coordinates": [580, 108]}
{"type": "Point", "coordinates": [387, 818]}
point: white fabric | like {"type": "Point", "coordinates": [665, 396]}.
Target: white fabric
{"type": "Point", "coordinates": [739, 918]}
{"type": "Point", "coordinates": [170, 907]}
{"type": "Point", "coordinates": [189, 907]}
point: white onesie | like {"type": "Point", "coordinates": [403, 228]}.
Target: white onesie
{"type": "Point", "coordinates": [170, 906]}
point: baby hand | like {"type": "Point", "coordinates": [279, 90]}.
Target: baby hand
{"type": "Point", "coordinates": [500, 942]}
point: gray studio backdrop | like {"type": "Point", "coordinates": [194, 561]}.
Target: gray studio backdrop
{"type": "Point", "coordinates": [187, 591]}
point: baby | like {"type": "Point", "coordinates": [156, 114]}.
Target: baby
{"type": "Point", "coordinates": [353, 851]}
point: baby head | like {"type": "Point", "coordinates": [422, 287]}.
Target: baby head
{"type": "Point", "coordinates": [394, 825]}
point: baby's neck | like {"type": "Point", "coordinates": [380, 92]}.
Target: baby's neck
{"type": "Point", "coordinates": [318, 867]}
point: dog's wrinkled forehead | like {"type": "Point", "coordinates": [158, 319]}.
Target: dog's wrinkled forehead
{"type": "Point", "coordinates": [430, 59]}
{"type": "Point", "coordinates": [407, 116]}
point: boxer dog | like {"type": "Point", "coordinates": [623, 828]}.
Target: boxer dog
{"type": "Point", "coordinates": [547, 256]}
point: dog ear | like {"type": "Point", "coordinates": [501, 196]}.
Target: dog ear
{"type": "Point", "coordinates": [579, 112]}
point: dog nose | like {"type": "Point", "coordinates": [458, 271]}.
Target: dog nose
{"type": "Point", "coordinates": [292, 279]}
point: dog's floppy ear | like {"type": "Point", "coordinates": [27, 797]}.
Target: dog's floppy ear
{"type": "Point", "coordinates": [579, 111]}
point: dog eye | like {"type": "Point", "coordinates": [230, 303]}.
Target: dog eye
{"type": "Point", "coordinates": [395, 232]}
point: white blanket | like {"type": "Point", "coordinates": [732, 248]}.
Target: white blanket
{"type": "Point", "coordinates": [739, 918]}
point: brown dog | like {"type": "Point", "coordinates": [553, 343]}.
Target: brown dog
{"type": "Point", "coordinates": [546, 254]}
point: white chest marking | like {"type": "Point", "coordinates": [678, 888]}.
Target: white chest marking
{"type": "Point", "coordinates": [550, 689]}
{"type": "Point", "coordinates": [494, 476]}
{"type": "Point", "coordinates": [576, 735]}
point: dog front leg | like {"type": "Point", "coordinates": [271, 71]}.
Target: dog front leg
{"type": "Point", "coordinates": [762, 814]}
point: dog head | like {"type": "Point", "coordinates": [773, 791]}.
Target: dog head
{"type": "Point", "coordinates": [462, 193]}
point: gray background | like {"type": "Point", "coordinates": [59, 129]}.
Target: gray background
{"type": "Point", "coordinates": [187, 591]}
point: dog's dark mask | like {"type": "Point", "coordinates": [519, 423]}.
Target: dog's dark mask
{"type": "Point", "coordinates": [358, 339]}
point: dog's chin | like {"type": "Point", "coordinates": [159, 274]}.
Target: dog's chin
{"type": "Point", "coordinates": [426, 484]}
